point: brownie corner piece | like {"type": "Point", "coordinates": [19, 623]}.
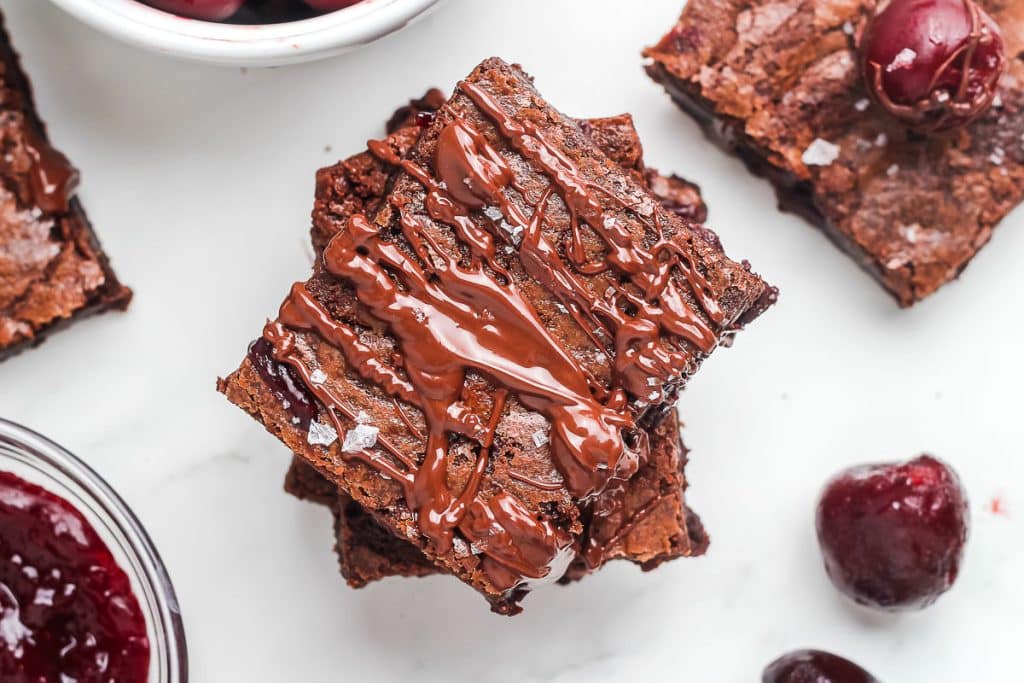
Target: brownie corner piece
{"type": "Point", "coordinates": [53, 270]}
{"type": "Point", "coordinates": [777, 84]}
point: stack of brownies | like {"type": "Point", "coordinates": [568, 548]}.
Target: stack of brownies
{"type": "Point", "coordinates": [479, 376]}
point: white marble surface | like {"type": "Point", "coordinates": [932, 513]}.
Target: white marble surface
{"type": "Point", "coordinates": [199, 180]}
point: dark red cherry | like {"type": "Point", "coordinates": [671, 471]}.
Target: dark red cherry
{"type": "Point", "coordinates": [207, 10]}
{"type": "Point", "coordinates": [934, 64]}
{"type": "Point", "coordinates": [815, 666]}
{"type": "Point", "coordinates": [893, 535]}
{"type": "Point", "coordinates": [331, 5]}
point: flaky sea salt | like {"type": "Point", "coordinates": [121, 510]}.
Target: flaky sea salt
{"type": "Point", "coordinates": [318, 376]}
{"type": "Point", "coordinates": [998, 156]}
{"type": "Point", "coordinates": [820, 153]}
{"type": "Point", "coordinates": [363, 418]}
{"type": "Point", "coordinates": [321, 434]}
{"type": "Point", "coordinates": [359, 438]}
{"type": "Point", "coordinates": [540, 438]}
{"type": "Point", "coordinates": [848, 28]}
{"type": "Point", "coordinates": [493, 212]}
{"type": "Point", "coordinates": [882, 140]}
{"type": "Point", "coordinates": [892, 170]}
{"type": "Point", "coordinates": [862, 104]}
{"type": "Point", "coordinates": [514, 231]}
{"type": "Point", "coordinates": [904, 58]}
{"type": "Point", "coordinates": [460, 547]}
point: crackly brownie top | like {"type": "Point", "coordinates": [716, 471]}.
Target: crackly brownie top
{"type": "Point", "coordinates": [49, 267]}
{"type": "Point", "coordinates": [488, 339]}
{"type": "Point", "coordinates": [782, 76]}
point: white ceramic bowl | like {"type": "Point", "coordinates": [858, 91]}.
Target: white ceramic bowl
{"type": "Point", "coordinates": [234, 45]}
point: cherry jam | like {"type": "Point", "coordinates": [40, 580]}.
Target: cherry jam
{"type": "Point", "coordinates": [67, 610]}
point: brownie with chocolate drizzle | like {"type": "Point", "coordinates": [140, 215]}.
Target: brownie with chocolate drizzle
{"type": "Point", "coordinates": [654, 525]}
{"type": "Point", "coordinates": [661, 527]}
{"type": "Point", "coordinates": [474, 362]}
{"type": "Point", "coordinates": [778, 83]}
{"type": "Point", "coordinates": [52, 268]}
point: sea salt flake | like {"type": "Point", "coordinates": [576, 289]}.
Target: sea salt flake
{"type": "Point", "coordinates": [609, 222]}
{"type": "Point", "coordinates": [998, 156]}
{"type": "Point", "coordinates": [892, 170]}
{"type": "Point", "coordinates": [493, 212]}
{"type": "Point", "coordinates": [653, 396]}
{"type": "Point", "coordinates": [419, 315]}
{"type": "Point", "coordinates": [904, 58]}
{"type": "Point", "coordinates": [862, 104]}
{"type": "Point", "coordinates": [514, 231]}
{"type": "Point", "coordinates": [882, 140]}
{"type": "Point", "coordinates": [848, 28]}
{"type": "Point", "coordinates": [43, 596]}
{"type": "Point", "coordinates": [997, 101]}
{"type": "Point", "coordinates": [360, 438]}
{"type": "Point", "coordinates": [563, 309]}
{"type": "Point", "coordinates": [652, 381]}
{"type": "Point", "coordinates": [476, 548]}
{"type": "Point", "coordinates": [318, 376]}
{"type": "Point", "coordinates": [601, 358]}
{"type": "Point", "coordinates": [820, 153]}
{"type": "Point", "coordinates": [363, 418]}
{"type": "Point", "coordinates": [460, 547]}
{"type": "Point", "coordinates": [321, 434]}
{"type": "Point", "coordinates": [540, 438]}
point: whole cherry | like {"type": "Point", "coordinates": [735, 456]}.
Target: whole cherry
{"type": "Point", "coordinates": [814, 666]}
{"type": "Point", "coordinates": [934, 64]}
{"type": "Point", "coordinates": [207, 10]}
{"type": "Point", "coordinates": [893, 535]}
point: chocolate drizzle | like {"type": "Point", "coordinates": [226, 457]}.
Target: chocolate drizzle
{"type": "Point", "coordinates": [51, 179]}
{"type": "Point", "coordinates": [453, 312]}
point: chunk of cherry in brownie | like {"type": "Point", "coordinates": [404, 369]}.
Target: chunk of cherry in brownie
{"type": "Point", "coordinates": [783, 84]}
{"type": "Point", "coordinates": [507, 237]}
{"type": "Point", "coordinates": [366, 551]}
{"type": "Point", "coordinates": [52, 268]}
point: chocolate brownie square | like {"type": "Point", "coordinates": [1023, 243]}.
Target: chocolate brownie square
{"type": "Point", "coordinates": [52, 268]}
{"type": "Point", "coordinates": [777, 83]}
{"type": "Point", "coordinates": [474, 363]}
{"type": "Point", "coordinates": [366, 551]}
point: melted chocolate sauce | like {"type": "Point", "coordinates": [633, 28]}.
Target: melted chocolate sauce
{"type": "Point", "coordinates": [449, 317]}
{"type": "Point", "coordinates": [51, 178]}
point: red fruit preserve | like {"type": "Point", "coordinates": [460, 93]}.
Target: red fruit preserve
{"type": "Point", "coordinates": [67, 610]}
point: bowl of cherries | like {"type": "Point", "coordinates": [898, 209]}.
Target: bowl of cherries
{"type": "Point", "coordinates": [248, 32]}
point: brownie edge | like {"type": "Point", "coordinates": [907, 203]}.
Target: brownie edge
{"type": "Point", "coordinates": [53, 270]}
